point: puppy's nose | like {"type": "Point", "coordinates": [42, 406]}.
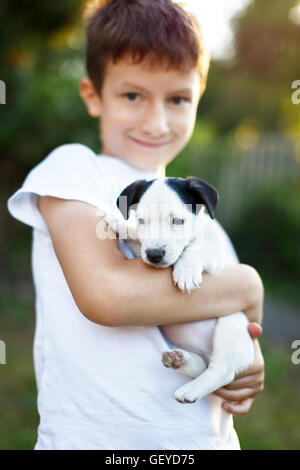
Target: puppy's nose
{"type": "Point", "coordinates": [156, 255]}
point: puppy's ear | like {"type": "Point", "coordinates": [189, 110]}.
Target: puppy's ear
{"type": "Point", "coordinates": [131, 196]}
{"type": "Point", "coordinates": [203, 193]}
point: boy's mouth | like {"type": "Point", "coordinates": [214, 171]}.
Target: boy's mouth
{"type": "Point", "coordinates": [149, 144]}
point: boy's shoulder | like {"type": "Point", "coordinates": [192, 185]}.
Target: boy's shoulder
{"type": "Point", "coordinates": [76, 155]}
{"type": "Point", "coordinates": [71, 151]}
{"type": "Point", "coordinates": [68, 165]}
{"type": "Point", "coordinates": [67, 159]}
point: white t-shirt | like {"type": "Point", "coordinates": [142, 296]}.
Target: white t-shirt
{"type": "Point", "coordinates": [102, 387]}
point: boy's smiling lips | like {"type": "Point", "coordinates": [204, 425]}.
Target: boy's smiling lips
{"type": "Point", "coordinates": [149, 144]}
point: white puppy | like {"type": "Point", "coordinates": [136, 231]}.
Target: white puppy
{"type": "Point", "coordinates": [164, 222]}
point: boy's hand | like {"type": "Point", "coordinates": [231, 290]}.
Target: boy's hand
{"type": "Point", "coordinates": [240, 393]}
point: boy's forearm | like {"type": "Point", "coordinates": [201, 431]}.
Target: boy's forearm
{"type": "Point", "coordinates": [147, 296]}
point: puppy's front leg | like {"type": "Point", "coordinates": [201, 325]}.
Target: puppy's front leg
{"type": "Point", "coordinates": [187, 271]}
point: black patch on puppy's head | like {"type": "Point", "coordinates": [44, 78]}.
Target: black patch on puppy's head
{"type": "Point", "coordinates": [195, 192]}
{"type": "Point", "coordinates": [133, 193]}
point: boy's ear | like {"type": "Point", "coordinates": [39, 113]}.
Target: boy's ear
{"type": "Point", "coordinates": [131, 196]}
{"type": "Point", "coordinates": [204, 193]}
{"type": "Point", "coordinates": [90, 97]}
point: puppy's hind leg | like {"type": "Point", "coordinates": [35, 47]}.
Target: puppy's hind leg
{"type": "Point", "coordinates": [232, 353]}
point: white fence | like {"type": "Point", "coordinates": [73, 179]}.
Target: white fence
{"type": "Point", "coordinates": [273, 161]}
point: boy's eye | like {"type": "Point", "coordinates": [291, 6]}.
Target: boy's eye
{"type": "Point", "coordinates": [178, 100]}
{"type": "Point", "coordinates": [177, 221]}
{"type": "Point", "coordinates": [131, 96]}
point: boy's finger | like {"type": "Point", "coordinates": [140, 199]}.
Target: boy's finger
{"type": "Point", "coordinates": [255, 330]}
{"type": "Point", "coordinates": [240, 408]}
{"type": "Point", "coordinates": [247, 381]}
{"type": "Point", "coordinates": [236, 395]}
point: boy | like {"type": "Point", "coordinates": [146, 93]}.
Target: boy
{"type": "Point", "coordinates": [97, 344]}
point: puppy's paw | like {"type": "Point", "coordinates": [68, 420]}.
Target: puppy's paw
{"type": "Point", "coordinates": [186, 394]}
{"type": "Point", "coordinates": [112, 221]}
{"type": "Point", "coordinates": [187, 276]}
{"type": "Point", "coordinates": [175, 358]}
{"type": "Point", "coordinates": [115, 221]}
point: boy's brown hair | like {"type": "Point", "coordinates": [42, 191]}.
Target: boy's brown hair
{"type": "Point", "coordinates": [162, 31]}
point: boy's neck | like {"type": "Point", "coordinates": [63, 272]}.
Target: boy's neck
{"type": "Point", "coordinates": [160, 170]}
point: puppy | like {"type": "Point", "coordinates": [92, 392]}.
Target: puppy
{"type": "Point", "coordinates": [164, 222]}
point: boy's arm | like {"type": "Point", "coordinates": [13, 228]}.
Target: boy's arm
{"type": "Point", "coordinates": [111, 290]}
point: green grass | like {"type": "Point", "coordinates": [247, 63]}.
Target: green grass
{"type": "Point", "coordinates": [272, 423]}
{"type": "Point", "coordinates": [18, 413]}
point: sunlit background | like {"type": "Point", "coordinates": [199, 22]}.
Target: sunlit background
{"type": "Point", "coordinates": [246, 143]}
{"type": "Point", "coordinates": [215, 19]}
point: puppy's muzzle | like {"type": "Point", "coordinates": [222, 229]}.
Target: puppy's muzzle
{"type": "Point", "coordinates": [155, 255]}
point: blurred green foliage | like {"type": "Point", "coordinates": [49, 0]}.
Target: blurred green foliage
{"type": "Point", "coordinates": [255, 85]}
{"type": "Point", "coordinates": [42, 60]}
{"type": "Point", "coordinates": [268, 237]}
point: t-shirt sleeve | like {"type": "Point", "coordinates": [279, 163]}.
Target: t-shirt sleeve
{"type": "Point", "coordinates": [70, 171]}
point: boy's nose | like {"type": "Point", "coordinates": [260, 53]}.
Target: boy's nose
{"type": "Point", "coordinates": [155, 121]}
{"type": "Point", "coordinates": [155, 255]}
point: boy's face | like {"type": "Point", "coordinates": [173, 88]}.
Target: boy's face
{"type": "Point", "coordinates": [147, 115]}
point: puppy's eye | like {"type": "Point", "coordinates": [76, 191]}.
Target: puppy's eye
{"type": "Point", "coordinates": [177, 221]}
{"type": "Point", "coordinates": [140, 221]}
